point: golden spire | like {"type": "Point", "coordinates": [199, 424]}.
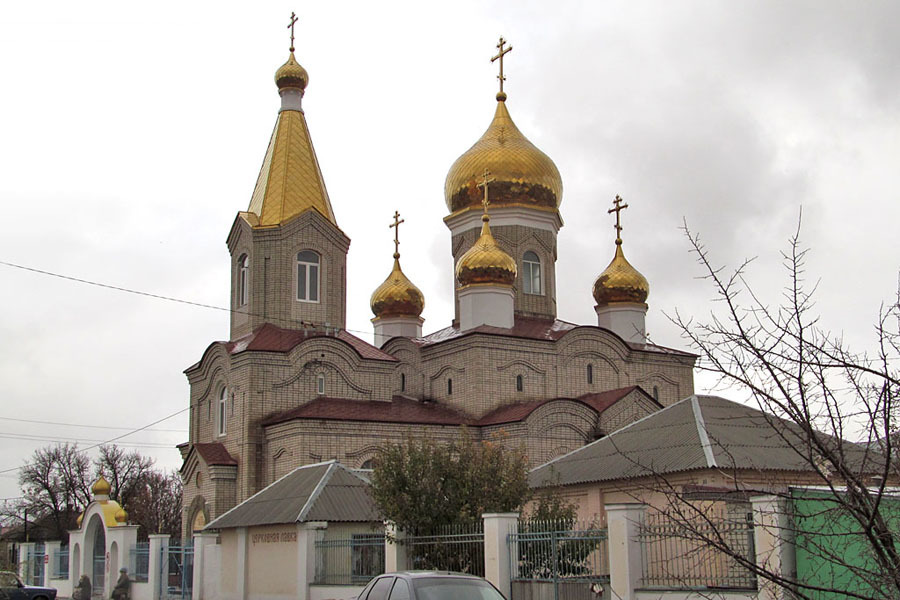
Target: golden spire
{"type": "Point", "coordinates": [397, 296]}
{"type": "Point", "coordinates": [501, 95]}
{"type": "Point", "coordinates": [620, 282]}
{"type": "Point", "coordinates": [486, 262]}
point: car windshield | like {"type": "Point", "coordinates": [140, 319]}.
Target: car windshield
{"type": "Point", "coordinates": [454, 588]}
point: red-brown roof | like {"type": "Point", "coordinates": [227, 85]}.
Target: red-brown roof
{"type": "Point", "coordinates": [270, 338]}
{"type": "Point", "coordinates": [215, 453]}
{"type": "Point", "coordinates": [513, 413]}
{"type": "Point", "coordinates": [398, 410]}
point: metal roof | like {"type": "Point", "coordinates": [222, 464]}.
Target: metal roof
{"type": "Point", "coordinates": [698, 432]}
{"type": "Point", "coordinates": [326, 491]}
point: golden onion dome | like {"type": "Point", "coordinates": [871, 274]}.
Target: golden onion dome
{"type": "Point", "coordinates": [485, 261]}
{"type": "Point", "coordinates": [523, 174]}
{"type": "Point", "coordinates": [291, 75]}
{"type": "Point", "coordinates": [79, 520]}
{"type": "Point", "coordinates": [101, 487]}
{"type": "Point", "coordinates": [121, 516]}
{"type": "Point", "coordinates": [397, 296]}
{"type": "Point", "coordinates": [620, 282]}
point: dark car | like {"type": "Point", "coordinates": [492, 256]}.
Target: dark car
{"type": "Point", "coordinates": [12, 588]}
{"type": "Point", "coordinates": [429, 585]}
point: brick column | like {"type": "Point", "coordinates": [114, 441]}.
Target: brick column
{"type": "Point", "coordinates": [394, 551]}
{"type": "Point", "coordinates": [774, 539]}
{"type": "Point", "coordinates": [625, 562]}
{"type": "Point", "coordinates": [497, 559]}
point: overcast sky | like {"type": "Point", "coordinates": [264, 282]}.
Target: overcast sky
{"type": "Point", "coordinates": [130, 138]}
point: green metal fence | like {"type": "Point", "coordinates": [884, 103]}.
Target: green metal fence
{"type": "Point", "coordinates": [458, 547]}
{"type": "Point", "coordinates": [352, 560]}
{"type": "Point", "coordinates": [59, 564]}
{"type": "Point", "coordinates": [139, 562]}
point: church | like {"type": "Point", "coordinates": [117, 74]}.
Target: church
{"type": "Point", "coordinates": [291, 386]}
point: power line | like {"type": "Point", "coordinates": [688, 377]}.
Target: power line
{"type": "Point", "coordinates": [88, 426]}
{"type": "Point", "coordinates": [44, 438]}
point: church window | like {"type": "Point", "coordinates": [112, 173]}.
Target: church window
{"type": "Point", "coordinates": [590, 374]}
{"type": "Point", "coordinates": [243, 280]}
{"type": "Point", "coordinates": [402, 382]}
{"type": "Point", "coordinates": [656, 393]}
{"type": "Point", "coordinates": [308, 276]}
{"type": "Point", "coordinates": [449, 387]}
{"type": "Point", "coordinates": [531, 273]}
{"type": "Point", "coordinates": [519, 383]}
{"type": "Point", "coordinates": [223, 401]}
{"type": "Point", "coordinates": [367, 464]}
{"type": "Point", "coordinates": [320, 384]}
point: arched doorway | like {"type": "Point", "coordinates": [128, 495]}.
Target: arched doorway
{"type": "Point", "coordinates": [98, 559]}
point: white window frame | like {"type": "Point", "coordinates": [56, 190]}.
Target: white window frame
{"type": "Point", "coordinates": [309, 272]}
{"type": "Point", "coordinates": [530, 268]}
{"type": "Point", "coordinates": [244, 280]}
{"type": "Point", "coordinates": [222, 413]}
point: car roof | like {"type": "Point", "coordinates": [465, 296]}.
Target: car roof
{"type": "Point", "coordinates": [417, 574]}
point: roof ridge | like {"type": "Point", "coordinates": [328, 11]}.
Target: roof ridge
{"type": "Point", "coordinates": [702, 432]}
{"type": "Point", "coordinates": [323, 481]}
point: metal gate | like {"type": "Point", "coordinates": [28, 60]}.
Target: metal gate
{"type": "Point", "coordinates": [549, 563]}
{"type": "Point", "coordinates": [35, 560]}
{"type": "Point", "coordinates": [176, 572]}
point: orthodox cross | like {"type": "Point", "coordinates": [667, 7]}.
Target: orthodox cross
{"type": "Point", "coordinates": [291, 27]}
{"type": "Point", "coordinates": [396, 227]}
{"type": "Point", "coordinates": [485, 180]}
{"type": "Point", "coordinates": [618, 208]}
{"type": "Point", "coordinates": [500, 58]}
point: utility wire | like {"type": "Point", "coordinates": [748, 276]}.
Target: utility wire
{"type": "Point", "coordinates": [87, 426]}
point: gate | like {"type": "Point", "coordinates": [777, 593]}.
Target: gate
{"type": "Point", "coordinates": [35, 560]}
{"type": "Point", "coordinates": [552, 563]}
{"type": "Point", "coordinates": [176, 572]}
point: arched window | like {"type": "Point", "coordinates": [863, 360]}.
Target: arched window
{"type": "Point", "coordinates": [402, 382]}
{"type": "Point", "coordinates": [320, 384]}
{"type": "Point", "coordinates": [308, 276]}
{"type": "Point", "coordinates": [590, 374]}
{"type": "Point", "coordinates": [449, 387]}
{"type": "Point", "coordinates": [531, 273]}
{"type": "Point", "coordinates": [519, 383]}
{"type": "Point", "coordinates": [243, 280]}
{"type": "Point", "coordinates": [656, 393]}
{"type": "Point", "coordinates": [223, 401]}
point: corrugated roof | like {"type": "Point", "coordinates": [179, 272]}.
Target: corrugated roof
{"type": "Point", "coordinates": [696, 433]}
{"type": "Point", "coordinates": [325, 491]}
{"type": "Point", "coordinates": [398, 410]}
{"type": "Point", "coordinates": [513, 413]}
{"type": "Point", "coordinates": [270, 338]}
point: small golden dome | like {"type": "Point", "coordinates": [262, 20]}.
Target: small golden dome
{"type": "Point", "coordinates": [291, 75]}
{"type": "Point", "coordinates": [121, 516]}
{"type": "Point", "coordinates": [79, 519]}
{"type": "Point", "coordinates": [523, 174]}
{"type": "Point", "coordinates": [485, 261]}
{"type": "Point", "coordinates": [397, 296]}
{"type": "Point", "coordinates": [101, 487]}
{"type": "Point", "coordinates": [620, 282]}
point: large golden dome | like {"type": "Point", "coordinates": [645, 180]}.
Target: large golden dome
{"type": "Point", "coordinates": [524, 175]}
{"type": "Point", "coordinates": [486, 262]}
{"type": "Point", "coordinates": [397, 296]}
{"type": "Point", "coordinates": [620, 282]}
{"type": "Point", "coordinates": [291, 75]}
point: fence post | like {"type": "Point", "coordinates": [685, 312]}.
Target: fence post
{"type": "Point", "coordinates": [394, 549]}
{"type": "Point", "coordinates": [158, 541]}
{"type": "Point", "coordinates": [497, 528]}
{"type": "Point", "coordinates": [201, 541]}
{"type": "Point", "coordinates": [51, 550]}
{"type": "Point", "coordinates": [26, 556]}
{"type": "Point", "coordinates": [625, 562]}
{"type": "Point", "coordinates": [774, 539]}
{"type": "Point", "coordinates": [307, 534]}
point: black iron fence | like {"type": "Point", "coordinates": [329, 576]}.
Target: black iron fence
{"type": "Point", "coordinates": [352, 560]}
{"type": "Point", "coordinates": [458, 547]}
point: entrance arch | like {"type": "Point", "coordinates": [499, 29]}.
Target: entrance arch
{"type": "Point", "coordinates": [96, 552]}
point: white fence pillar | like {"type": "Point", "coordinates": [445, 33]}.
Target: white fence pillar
{"type": "Point", "coordinates": [625, 562]}
{"type": "Point", "coordinates": [51, 549]}
{"type": "Point", "coordinates": [24, 567]}
{"type": "Point", "coordinates": [307, 535]}
{"type": "Point", "coordinates": [497, 528]}
{"type": "Point", "coordinates": [394, 550]}
{"type": "Point", "coordinates": [201, 542]}
{"type": "Point", "coordinates": [156, 567]}
{"type": "Point", "coordinates": [774, 539]}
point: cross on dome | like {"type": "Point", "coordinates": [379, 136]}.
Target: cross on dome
{"type": "Point", "coordinates": [485, 180]}
{"type": "Point", "coordinates": [396, 227]}
{"type": "Point", "coordinates": [291, 27]}
{"type": "Point", "coordinates": [499, 57]}
{"type": "Point", "coordinates": [618, 207]}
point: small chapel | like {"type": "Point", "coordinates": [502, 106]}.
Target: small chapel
{"type": "Point", "coordinates": [291, 386]}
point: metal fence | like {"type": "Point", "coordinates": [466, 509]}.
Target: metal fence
{"type": "Point", "coordinates": [35, 568]}
{"type": "Point", "coordinates": [176, 572]}
{"type": "Point", "coordinates": [680, 555]}
{"type": "Point", "coordinates": [59, 564]}
{"type": "Point", "coordinates": [458, 547]}
{"type": "Point", "coordinates": [139, 562]}
{"type": "Point", "coordinates": [349, 561]}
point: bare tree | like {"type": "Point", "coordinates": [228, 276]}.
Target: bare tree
{"type": "Point", "coordinates": [818, 393]}
{"type": "Point", "coordinates": [156, 504]}
{"type": "Point", "coordinates": [125, 472]}
{"type": "Point", "coordinates": [56, 486]}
